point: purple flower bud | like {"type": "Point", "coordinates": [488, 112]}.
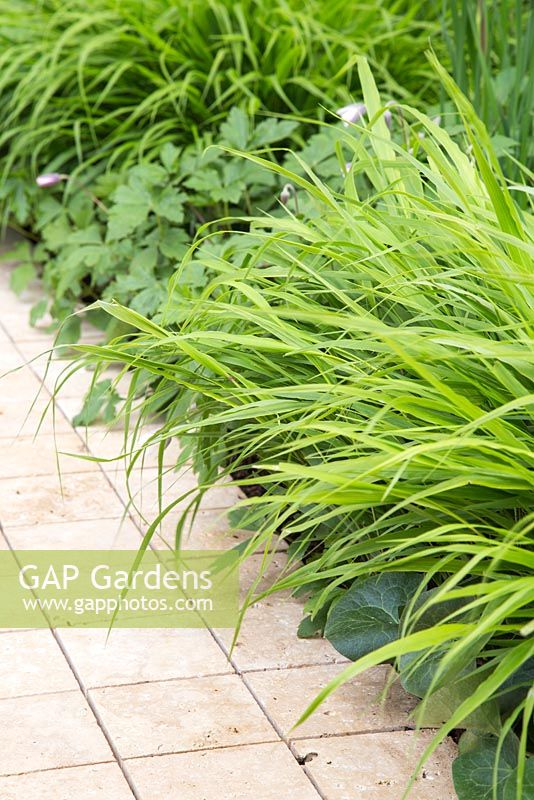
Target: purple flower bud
{"type": "Point", "coordinates": [388, 116]}
{"type": "Point", "coordinates": [50, 179]}
{"type": "Point", "coordinates": [352, 113]}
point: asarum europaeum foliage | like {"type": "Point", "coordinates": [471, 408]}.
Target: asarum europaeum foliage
{"type": "Point", "coordinates": [364, 370]}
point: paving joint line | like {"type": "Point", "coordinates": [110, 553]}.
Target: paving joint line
{"type": "Point", "coordinates": [213, 749]}
{"type": "Point", "coordinates": [89, 701]}
{"type": "Point", "coordinates": [180, 679]}
{"type": "Point", "coordinates": [100, 722]}
{"type": "Point", "coordinates": [27, 695]}
{"type": "Point", "coordinates": [267, 716]}
{"type": "Point", "coordinates": [53, 769]}
{"type": "Point", "coordinates": [74, 671]}
{"type": "Point", "coordinates": [376, 731]}
{"type": "Point", "coordinates": [212, 632]}
{"type": "Point", "coordinates": [311, 665]}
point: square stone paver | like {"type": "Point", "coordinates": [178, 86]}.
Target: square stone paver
{"type": "Point", "coordinates": [108, 444]}
{"type": "Point", "coordinates": [31, 662]}
{"type": "Point", "coordinates": [16, 320]}
{"type": "Point", "coordinates": [29, 456]}
{"type": "Point", "coordinates": [39, 335]}
{"type": "Point", "coordinates": [177, 716]}
{"type": "Point", "coordinates": [260, 572]}
{"type": "Point", "coordinates": [268, 638]}
{"type": "Point", "coordinates": [16, 382]}
{"type": "Point", "coordinates": [141, 493]}
{"type": "Point", "coordinates": [22, 385]}
{"type": "Point", "coordinates": [256, 772]}
{"type": "Point", "coordinates": [95, 534]}
{"type": "Point", "coordinates": [209, 530]}
{"type": "Point", "coordinates": [353, 708]}
{"type": "Point", "coordinates": [93, 782]}
{"type": "Point", "coordinates": [378, 766]}
{"type": "Point", "coordinates": [69, 382]}
{"type": "Point", "coordinates": [138, 655]}
{"type": "Point", "coordinates": [21, 416]}
{"type": "Point", "coordinates": [42, 360]}
{"type": "Point", "coordinates": [77, 497]}
{"type": "Point", "coordinates": [10, 358]}
{"type": "Point", "coordinates": [37, 349]}
{"type": "Point", "coordinates": [48, 731]}
{"type": "Point", "coordinates": [71, 406]}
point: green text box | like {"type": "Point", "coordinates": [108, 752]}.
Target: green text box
{"type": "Point", "coordinates": [94, 588]}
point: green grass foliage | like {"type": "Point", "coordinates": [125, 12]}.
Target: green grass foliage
{"type": "Point", "coordinates": [370, 364]}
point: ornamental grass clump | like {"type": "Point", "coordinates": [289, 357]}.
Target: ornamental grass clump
{"type": "Point", "coordinates": [368, 370]}
{"type": "Point", "coordinates": [95, 102]}
{"type": "Point", "coordinates": [103, 85]}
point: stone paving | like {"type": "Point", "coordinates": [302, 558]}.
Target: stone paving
{"type": "Point", "coordinates": [166, 714]}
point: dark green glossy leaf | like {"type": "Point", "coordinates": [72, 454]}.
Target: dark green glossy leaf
{"type": "Point", "coordinates": [367, 616]}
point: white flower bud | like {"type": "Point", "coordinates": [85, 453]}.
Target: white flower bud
{"type": "Point", "coordinates": [50, 179]}
{"type": "Point", "coordinates": [352, 113]}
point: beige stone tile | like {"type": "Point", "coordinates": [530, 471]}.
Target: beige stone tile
{"type": "Point", "coordinates": [140, 655]}
{"type": "Point", "coordinates": [256, 772]}
{"type": "Point", "coordinates": [38, 336]}
{"type": "Point", "coordinates": [96, 534]}
{"type": "Point", "coordinates": [17, 381]}
{"type": "Point", "coordinates": [21, 416]}
{"type": "Point", "coordinates": [268, 638]}
{"type": "Point", "coordinates": [80, 496]}
{"type": "Point", "coordinates": [118, 469]}
{"type": "Point", "coordinates": [73, 405]}
{"type": "Point", "coordinates": [261, 571]}
{"type": "Point", "coordinates": [20, 384]}
{"type": "Point", "coordinates": [93, 782]}
{"type": "Point", "coordinates": [32, 456]}
{"type": "Point", "coordinates": [49, 731]}
{"type": "Point", "coordinates": [9, 301]}
{"type": "Point", "coordinates": [65, 376]}
{"type": "Point", "coordinates": [209, 530]}
{"type": "Point", "coordinates": [378, 766]}
{"type": "Point", "coordinates": [62, 377]}
{"type": "Point", "coordinates": [16, 309]}
{"type": "Point", "coordinates": [141, 493]}
{"type": "Point", "coordinates": [141, 488]}
{"type": "Point", "coordinates": [32, 663]}
{"type": "Point", "coordinates": [109, 445]}
{"type": "Point", "coordinates": [176, 716]}
{"type": "Point", "coordinates": [8, 565]}
{"type": "Point", "coordinates": [355, 707]}
{"type": "Point", "coordinates": [9, 357]}
{"type": "Point", "coordinates": [16, 320]}
{"type": "Point", "coordinates": [59, 374]}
